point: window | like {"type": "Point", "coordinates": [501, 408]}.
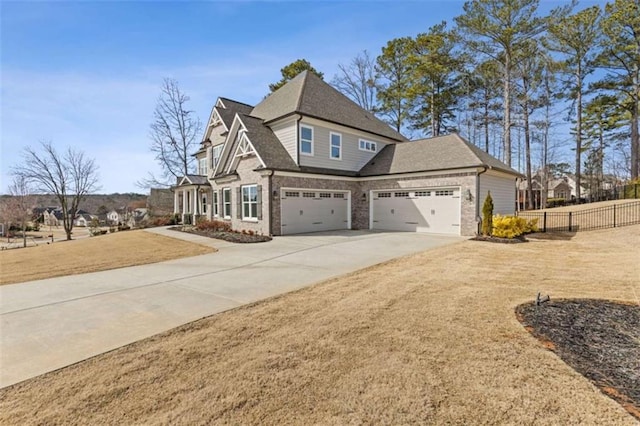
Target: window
{"type": "Point", "coordinates": [422, 193]}
{"type": "Point", "coordinates": [401, 194]}
{"type": "Point", "coordinates": [217, 152]}
{"type": "Point", "coordinates": [226, 202]}
{"type": "Point", "coordinates": [204, 203]}
{"type": "Point", "coordinates": [250, 202]}
{"type": "Point", "coordinates": [202, 166]}
{"type": "Point", "coordinates": [338, 195]}
{"type": "Point", "coordinates": [325, 195]}
{"type": "Point", "coordinates": [216, 207]}
{"type": "Point", "coordinates": [336, 146]}
{"type": "Point", "coordinates": [444, 192]}
{"type": "Point", "coordinates": [308, 194]}
{"type": "Point", "coordinates": [367, 146]}
{"type": "Point", "coordinates": [306, 140]}
{"type": "Point", "coordinates": [291, 194]}
{"type": "Point", "coordinates": [384, 195]}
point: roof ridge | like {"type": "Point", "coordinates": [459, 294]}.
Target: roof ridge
{"type": "Point", "coordinates": [233, 100]}
{"type": "Point", "coordinates": [305, 77]}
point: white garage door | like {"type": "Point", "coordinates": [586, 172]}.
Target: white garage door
{"type": "Point", "coordinates": [417, 210]}
{"type": "Point", "coordinates": [305, 210]}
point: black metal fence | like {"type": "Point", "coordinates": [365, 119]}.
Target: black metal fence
{"type": "Point", "coordinates": [613, 216]}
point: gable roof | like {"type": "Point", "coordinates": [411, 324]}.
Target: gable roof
{"type": "Point", "coordinates": [267, 145]}
{"type": "Point", "coordinates": [231, 108]}
{"type": "Point", "coordinates": [307, 94]}
{"type": "Point", "coordinates": [193, 180]}
{"type": "Point", "coordinates": [438, 153]}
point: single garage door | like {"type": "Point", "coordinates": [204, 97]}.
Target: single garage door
{"type": "Point", "coordinates": [417, 210]}
{"type": "Point", "coordinates": [305, 210]}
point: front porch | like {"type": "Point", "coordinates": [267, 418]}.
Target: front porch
{"type": "Point", "coordinates": [192, 199]}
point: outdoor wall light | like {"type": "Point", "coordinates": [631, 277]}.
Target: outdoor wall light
{"type": "Point", "coordinates": [467, 195]}
{"type": "Point", "coordinates": [275, 194]}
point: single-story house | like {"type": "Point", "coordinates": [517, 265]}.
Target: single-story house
{"type": "Point", "coordinates": [309, 159]}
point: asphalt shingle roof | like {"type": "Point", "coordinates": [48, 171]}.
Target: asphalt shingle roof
{"type": "Point", "coordinates": [309, 95]}
{"type": "Point", "coordinates": [231, 109]}
{"type": "Point", "coordinates": [439, 153]}
{"type": "Point", "coordinates": [269, 148]}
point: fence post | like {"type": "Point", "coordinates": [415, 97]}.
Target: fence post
{"type": "Point", "coordinates": [569, 221]}
{"type": "Point", "coordinates": [614, 215]}
{"type": "Point", "coordinates": [544, 222]}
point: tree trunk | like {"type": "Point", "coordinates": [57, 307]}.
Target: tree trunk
{"type": "Point", "coordinates": [578, 131]}
{"type": "Point", "coordinates": [507, 109]}
{"type": "Point", "coordinates": [486, 121]}
{"type": "Point", "coordinates": [527, 154]}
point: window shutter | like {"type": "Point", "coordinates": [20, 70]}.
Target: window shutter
{"type": "Point", "coordinates": [259, 201]}
{"type": "Point", "coordinates": [239, 203]}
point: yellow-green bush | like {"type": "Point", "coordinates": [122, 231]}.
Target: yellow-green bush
{"type": "Point", "coordinates": [513, 226]}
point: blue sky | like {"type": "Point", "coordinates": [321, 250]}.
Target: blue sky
{"type": "Point", "coordinates": [88, 74]}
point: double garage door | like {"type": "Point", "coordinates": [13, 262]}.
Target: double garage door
{"type": "Point", "coordinates": [417, 210]}
{"type": "Point", "coordinates": [307, 210]}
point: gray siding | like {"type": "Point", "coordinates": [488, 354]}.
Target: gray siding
{"type": "Point", "coordinates": [286, 133]}
{"type": "Point", "coordinates": [352, 157]}
{"type": "Point", "coordinates": [503, 193]}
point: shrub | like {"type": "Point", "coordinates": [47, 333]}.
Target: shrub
{"type": "Point", "coordinates": [555, 202]}
{"type": "Point", "coordinates": [487, 215]}
{"type": "Point", "coordinates": [123, 227]}
{"type": "Point", "coordinates": [513, 226]}
{"type": "Point", "coordinates": [213, 225]}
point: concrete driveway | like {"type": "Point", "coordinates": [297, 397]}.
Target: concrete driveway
{"type": "Point", "coordinates": [49, 324]}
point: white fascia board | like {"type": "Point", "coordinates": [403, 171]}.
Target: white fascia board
{"type": "Point", "coordinates": [182, 181]}
{"type": "Point", "coordinates": [220, 103]}
{"type": "Point", "coordinates": [374, 178]}
{"type": "Point", "coordinates": [500, 173]}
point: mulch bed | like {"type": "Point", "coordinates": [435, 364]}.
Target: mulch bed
{"type": "Point", "coordinates": [492, 239]}
{"type": "Point", "coordinates": [598, 338]}
{"type": "Point", "coordinates": [234, 237]}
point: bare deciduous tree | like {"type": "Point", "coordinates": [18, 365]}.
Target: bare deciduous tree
{"type": "Point", "coordinates": [69, 177]}
{"type": "Point", "coordinates": [358, 81]}
{"type": "Point", "coordinates": [17, 208]}
{"type": "Point", "coordinates": [174, 133]}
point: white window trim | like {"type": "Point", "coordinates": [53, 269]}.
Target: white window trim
{"type": "Point", "coordinates": [305, 126]}
{"type": "Point", "coordinates": [367, 150]}
{"type": "Point", "coordinates": [215, 203]}
{"type": "Point", "coordinates": [331, 135]}
{"type": "Point", "coordinates": [203, 168]}
{"type": "Point", "coordinates": [249, 203]}
{"type": "Point", "coordinates": [224, 203]}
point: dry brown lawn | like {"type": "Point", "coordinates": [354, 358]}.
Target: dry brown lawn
{"type": "Point", "coordinates": [589, 206]}
{"type": "Point", "coordinates": [92, 254]}
{"type": "Point", "coordinates": [426, 339]}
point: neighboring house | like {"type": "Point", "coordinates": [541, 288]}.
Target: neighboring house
{"type": "Point", "coordinates": [84, 219]}
{"type": "Point", "coordinates": [113, 217]}
{"type": "Point", "coordinates": [137, 217]}
{"type": "Point", "coordinates": [52, 216]}
{"type": "Point", "coordinates": [308, 159]}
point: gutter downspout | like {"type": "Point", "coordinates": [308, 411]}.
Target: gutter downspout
{"type": "Point", "coordinates": [478, 217]}
{"type": "Point", "coordinates": [270, 198]}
